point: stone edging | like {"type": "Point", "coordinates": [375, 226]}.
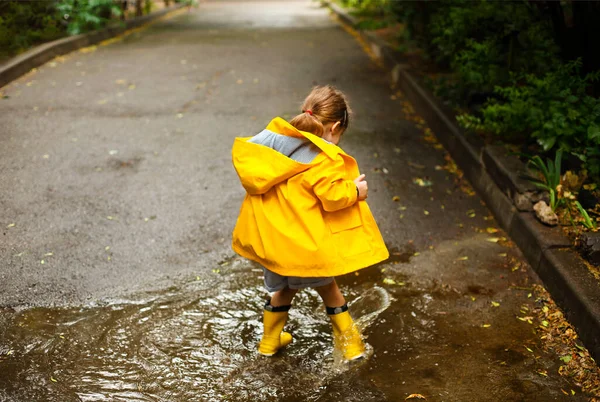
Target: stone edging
{"type": "Point", "coordinates": [495, 177]}
{"type": "Point", "coordinates": [39, 55]}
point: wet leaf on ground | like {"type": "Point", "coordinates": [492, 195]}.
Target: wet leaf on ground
{"type": "Point", "coordinates": [415, 165]}
{"type": "Point", "coordinates": [414, 396]}
{"type": "Point", "coordinates": [422, 182]}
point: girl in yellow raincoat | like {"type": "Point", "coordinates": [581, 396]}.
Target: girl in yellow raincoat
{"type": "Point", "coordinates": [304, 217]}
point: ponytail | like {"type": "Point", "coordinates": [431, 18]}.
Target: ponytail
{"type": "Point", "coordinates": [308, 122]}
{"type": "Point", "coordinates": [322, 106]}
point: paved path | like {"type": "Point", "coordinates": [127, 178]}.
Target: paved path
{"type": "Point", "coordinates": [116, 160]}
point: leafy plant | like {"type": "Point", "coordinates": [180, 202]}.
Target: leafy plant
{"type": "Point", "coordinates": [554, 109]}
{"type": "Point", "coordinates": [87, 15]}
{"type": "Point", "coordinates": [26, 23]}
{"type": "Point", "coordinates": [551, 172]}
{"type": "Point", "coordinates": [588, 222]}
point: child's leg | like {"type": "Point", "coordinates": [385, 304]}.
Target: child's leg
{"type": "Point", "coordinates": [283, 297]}
{"type": "Point", "coordinates": [346, 334]}
{"type": "Point", "coordinates": [331, 295]}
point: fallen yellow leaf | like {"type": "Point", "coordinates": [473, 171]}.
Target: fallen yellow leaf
{"type": "Point", "coordinates": [88, 49]}
{"type": "Point", "coordinates": [465, 258]}
{"type": "Point", "coordinates": [414, 396]}
{"type": "Point", "coordinates": [395, 198]}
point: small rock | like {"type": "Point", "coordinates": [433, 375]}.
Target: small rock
{"type": "Point", "coordinates": [590, 244]}
{"type": "Point", "coordinates": [525, 201]}
{"type": "Point", "coordinates": [522, 202]}
{"type": "Point", "coordinates": [545, 214]}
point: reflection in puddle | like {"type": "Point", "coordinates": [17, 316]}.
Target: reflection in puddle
{"type": "Point", "coordinates": [197, 342]}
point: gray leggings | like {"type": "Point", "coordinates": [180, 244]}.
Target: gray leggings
{"type": "Point", "coordinates": [275, 282]}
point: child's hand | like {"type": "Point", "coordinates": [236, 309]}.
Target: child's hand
{"type": "Point", "coordinates": [363, 188]}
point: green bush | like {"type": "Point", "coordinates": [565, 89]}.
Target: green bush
{"type": "Point", "coordinates": [516, 38]}
{"type": "Point", "coordinates": [87, 15]}
{"type": "Point", "coordinates": [553, 108]}
{"type": "Point", "coordinates": [26, 23]}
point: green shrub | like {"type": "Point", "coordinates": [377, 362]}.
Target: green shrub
{"type": "Point", "coordinates": [553, 108]}
{"type": "Point", "coordinates": [87, 15]}
{"type": "Point", "coordinates": [26, 23]}
{"type": "Point", "coordinates": [516, 38]}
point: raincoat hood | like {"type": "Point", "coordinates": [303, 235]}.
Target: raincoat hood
{"type": "Point", "coordinates": [260, 167]}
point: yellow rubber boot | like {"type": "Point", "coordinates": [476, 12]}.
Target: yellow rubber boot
{"type": "Point", "coordinates": [346, 336]}
{"type": "Point", "coordinates": [273, 336]}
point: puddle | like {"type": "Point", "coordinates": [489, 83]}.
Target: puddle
{"type": "Point", "coordinates": [196, 342]}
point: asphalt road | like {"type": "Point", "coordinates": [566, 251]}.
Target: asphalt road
{"type": "Point", "coordinates": [116, 178]}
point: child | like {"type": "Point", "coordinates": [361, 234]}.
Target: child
{"type": "Point", "coordinates": [304, 218]}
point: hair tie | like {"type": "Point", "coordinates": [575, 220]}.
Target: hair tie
{"type": "Point", "coordinates": [308, 111]}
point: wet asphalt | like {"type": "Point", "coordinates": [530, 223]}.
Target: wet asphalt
{"type": "Point", "coordinates": [116, 178]}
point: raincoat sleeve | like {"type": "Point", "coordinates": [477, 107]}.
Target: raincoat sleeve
{"type": "Point", "coordinates": [330, 185]}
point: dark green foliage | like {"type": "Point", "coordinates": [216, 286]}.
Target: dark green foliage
{"type": "Point", "coordinates": [553, 108]}
{"type": "Point", "coordinates": [510, 68]}
{"type": "Point", "coordinates": [484, 42]}
{"type": "Point", "coordinates": [87, 15]}
{"type": "Point", "coordinates": [26, 23]}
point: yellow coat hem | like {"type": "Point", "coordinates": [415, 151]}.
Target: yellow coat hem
{"type": "Point", "coordinates": [342, 267]}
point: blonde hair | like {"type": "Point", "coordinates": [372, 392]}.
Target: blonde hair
{"type": "Point", "coordinates": [324, 104]}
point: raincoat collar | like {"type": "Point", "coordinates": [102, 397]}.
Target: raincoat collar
{"type": "Point", "coordinates": [280, 126]}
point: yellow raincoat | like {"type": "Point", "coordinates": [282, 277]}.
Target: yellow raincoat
{"type": "Point", "coordinates": [303, 219]}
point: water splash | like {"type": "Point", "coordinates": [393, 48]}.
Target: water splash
{"type": "Point", "coordinates": [194, 342]}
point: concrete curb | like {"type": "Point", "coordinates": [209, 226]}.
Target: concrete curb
{"type": "Point", "coordinates": [39, 55]}
{"type": "Point", "coordinates": [496, 178]}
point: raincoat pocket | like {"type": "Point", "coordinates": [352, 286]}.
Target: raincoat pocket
{"type": "Point", "coordinates": [344, 219]}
